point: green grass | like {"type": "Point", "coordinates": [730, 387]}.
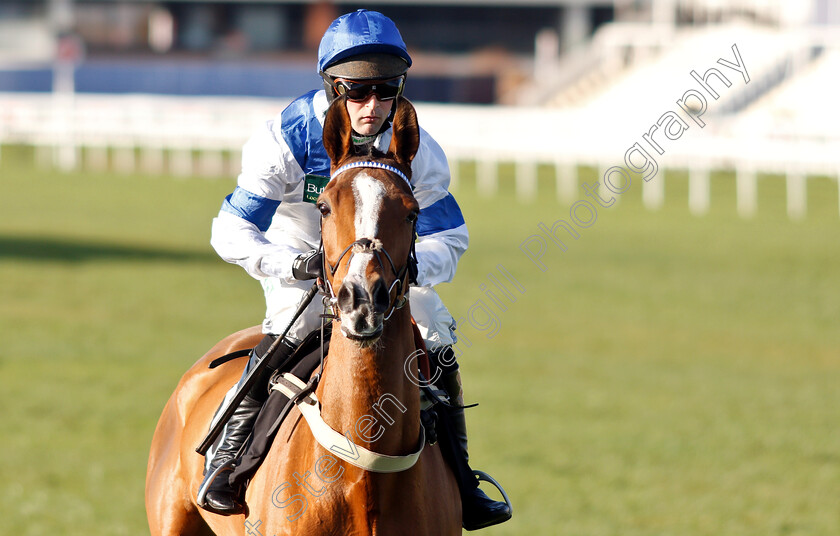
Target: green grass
{"type": "Point", "coordinates": [667, 374]}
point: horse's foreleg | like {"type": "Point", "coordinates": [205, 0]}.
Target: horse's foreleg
{"type": "Point", "coordinates": [169, 507]}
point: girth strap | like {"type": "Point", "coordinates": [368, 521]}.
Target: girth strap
{"type": "Point", "coordinates": [342, 445]}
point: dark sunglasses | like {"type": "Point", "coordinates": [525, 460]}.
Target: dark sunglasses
{"type": "Point", "coordinates": [360, 91]}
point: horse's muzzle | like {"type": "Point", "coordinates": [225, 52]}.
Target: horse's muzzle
{"type": "Point", "coordinates": [362, 305]}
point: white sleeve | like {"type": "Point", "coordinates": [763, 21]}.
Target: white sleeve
{"type": "Point", "coordinates": [239, 241]}
{"type": "Point", "coordinates": [238, 232]}
{"type": "Point", "coordinates": [442, 233]}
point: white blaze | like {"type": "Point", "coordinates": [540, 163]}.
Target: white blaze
{"type": "Point", "coordinates": [368, 193]}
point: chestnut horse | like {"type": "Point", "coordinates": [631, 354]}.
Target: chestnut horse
{"type": "Point", "coordinates": [367, 219]}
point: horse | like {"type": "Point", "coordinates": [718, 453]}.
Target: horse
{"type": "Point", "coordinates": [367, 215]}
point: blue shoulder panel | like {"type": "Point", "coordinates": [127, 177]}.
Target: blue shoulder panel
{"type": "Point", "coordinates": [304, 135]}
{"type": "Point", "coordinates": [440, 216]}
{"type": "Point", "coordinates": [251, 207]}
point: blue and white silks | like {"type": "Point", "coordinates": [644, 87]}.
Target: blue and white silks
{"type": "Point", "coordinates": [265, 223]}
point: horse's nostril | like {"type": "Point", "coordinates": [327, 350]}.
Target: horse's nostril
{"type": "Point", "coordinates": [346, 298]}
{"type": "Point", "coordinates": [381, 299]}
{"type": "Point", "coordinates": [355, 297]}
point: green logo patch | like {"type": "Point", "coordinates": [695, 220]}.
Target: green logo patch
{"type": "Point", "coordinates": [313, 185]}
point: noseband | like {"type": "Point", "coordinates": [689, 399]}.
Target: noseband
{"type": "Point", "coordinates": [373, 246]}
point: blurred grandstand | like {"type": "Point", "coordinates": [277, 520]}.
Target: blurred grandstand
{"type": "Point", "coordinates": [147, 84]}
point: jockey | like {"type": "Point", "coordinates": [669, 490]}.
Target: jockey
{"type": "Point", "coordinates": [269, 225]}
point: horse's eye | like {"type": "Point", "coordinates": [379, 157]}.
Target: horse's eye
{"type": "Point", "coordinates": [324, 209]}
{"type": "Point", "coordinates": [412, 217]}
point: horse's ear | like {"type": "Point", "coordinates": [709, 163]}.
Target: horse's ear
{"type": "Point", "coordinates": [338, 131]}
{"type": "Point", "coordinates": [405, 137]}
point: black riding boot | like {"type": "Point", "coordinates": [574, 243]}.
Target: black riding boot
{"type": "Point", "coordinates": [220, 496]}
{"type": "Point", "coordinates": [479, 510]}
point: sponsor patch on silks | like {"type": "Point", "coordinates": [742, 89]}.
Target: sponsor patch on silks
{"type": "Point", "coordinates": [313, 185]}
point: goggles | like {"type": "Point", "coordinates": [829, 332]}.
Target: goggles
{"type": "Point", "coordinates": [360, 91]}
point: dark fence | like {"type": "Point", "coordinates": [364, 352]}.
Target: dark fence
{"type": "Point", "coordinates": [230, 79]}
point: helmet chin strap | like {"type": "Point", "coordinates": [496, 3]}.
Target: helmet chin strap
{"type": "Point", "coordinates": [387, 124]}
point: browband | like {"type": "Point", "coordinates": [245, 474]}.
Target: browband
{"type": "Point", "coordinates": [376, 165]}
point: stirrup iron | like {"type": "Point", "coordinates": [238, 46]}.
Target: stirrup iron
{"type": "Point", "coordinates": [482, 476]}
{"type": "Point", "coordinates": [201, 499]}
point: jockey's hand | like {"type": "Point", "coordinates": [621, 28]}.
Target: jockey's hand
{"type": "Point", "coordinates": [308, 265]}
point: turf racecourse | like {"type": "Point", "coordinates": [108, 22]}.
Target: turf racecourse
{"type": "Point", "coordinates": [666, 375]}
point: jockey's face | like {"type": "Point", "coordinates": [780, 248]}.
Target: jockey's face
{"type": "Point", "coordinates": [368, 115]}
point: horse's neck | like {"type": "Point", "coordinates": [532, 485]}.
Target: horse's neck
{"type": "Point", "coordinates": [364, 389]}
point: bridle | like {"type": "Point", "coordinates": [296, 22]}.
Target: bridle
{"type": "Point", "coordinates": [303, 393]}
{"type": "Point", "coordinates": [373, 246]}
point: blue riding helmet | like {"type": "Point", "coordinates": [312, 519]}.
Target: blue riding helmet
{"type": "Point", "coordinates": [367, 34]}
